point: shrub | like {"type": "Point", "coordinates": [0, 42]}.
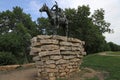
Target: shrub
{"type": "Point", "coordinates": [6, 58]}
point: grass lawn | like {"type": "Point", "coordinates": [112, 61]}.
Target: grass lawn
{"type": "Point", "coordinates": [110, 64]}
{"type": "Point", "coordinates": [113, 53]}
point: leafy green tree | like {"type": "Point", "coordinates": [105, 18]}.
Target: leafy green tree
{"type": "Point", "coordinates": [25, 19]}
{"type": "Point", "coordinates": [81, 26]}
{"type": "Point", "coordinates": [98, 20]}
{"type": "Point", "coordinates": [9, 19]}
{"type": "Point", "coordinates": [6, 58]}
{"type": "Point", "coordinates": [16, 30]}
{"type": "Point", "coordinates": [6, 21]}
{"type": "Point", "coordinates": [44, 26]}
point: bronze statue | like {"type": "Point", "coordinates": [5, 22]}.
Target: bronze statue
{"type": "Point", "coordinates": [57, 17]}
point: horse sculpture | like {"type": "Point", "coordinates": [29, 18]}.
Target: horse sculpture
{"type": "Point", "coordinates": [55, 19]}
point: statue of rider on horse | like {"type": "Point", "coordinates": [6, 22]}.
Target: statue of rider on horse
{"type": "Point", "coordinates": [56, 16]}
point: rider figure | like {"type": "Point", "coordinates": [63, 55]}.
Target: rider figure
{"type": "Point", "coordinates": [55, 7]}
{"type": "Point", "coordinates": [58, 11]}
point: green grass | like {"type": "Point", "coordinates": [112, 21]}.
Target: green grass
{"type": "Point", "coordinates": [110, 64]}
{"type": "Point", "coordinates": [113, 53]}
{"type": "Point", "coordinates": [94, 78]}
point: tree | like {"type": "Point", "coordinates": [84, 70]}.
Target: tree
{"type": "Point", "coordinates": [25, 19]}
{"type": "Point", "coordinates": [16, 30]}
{"type": "Point", "coordinates": [81, 26]}
{"type": "Point", "coordinates": [98, 20]}
{"type": "Point", "coordinates": [44, 26]}
{"type": "Point", "coordinates": [6, 22]}
{"type": "Point", "coordinates": [9, 19]}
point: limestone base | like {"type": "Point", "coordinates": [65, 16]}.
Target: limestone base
{"type": "Point", "coordinates": [56, 56]}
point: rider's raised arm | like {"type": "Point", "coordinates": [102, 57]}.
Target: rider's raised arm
{"type": "Point", "coordinates": [55, 7]}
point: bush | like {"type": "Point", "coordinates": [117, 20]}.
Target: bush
{"type": "Point", "coordinates": [6, 58]}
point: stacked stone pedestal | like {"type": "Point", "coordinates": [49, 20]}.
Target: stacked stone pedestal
{"type": "Point", "coordinates": [56, 56]}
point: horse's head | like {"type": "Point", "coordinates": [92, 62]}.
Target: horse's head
{"type": "Point", "coordinates": [43, 8]}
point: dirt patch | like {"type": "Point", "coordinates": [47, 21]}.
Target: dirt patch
{"type": "Point", "coordinates": [23, 74]}
{"type": "Point", "coordinates": [106, 54]}
{"type": "Point", "coordinates": [31, 74]}
{"type": "Point", "coordinates": [88, 73]}
{"type": "Point", "coordinates": [103, 54]}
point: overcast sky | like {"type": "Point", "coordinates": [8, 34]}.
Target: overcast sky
{"type": "Point", "coordinates": [111, 7]}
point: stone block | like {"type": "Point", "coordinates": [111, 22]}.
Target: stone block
{"type": "Point", "coordinates": [63, 74]}
{"type": "Point", "coordinates": [75, 60]}
{"type": "Point", "coordinates": [51, 74]}
{"type": "Point", "coordinates": [40, 66]}
{"type": "Point", "coordinates": [75, 66]}
{"type": "Point", "coordinates": [72, 70]}
{"type": "Point", "coordinates": [84, 53]}
{"type": "Point", "coordinates": [39, 74]}
{"type": "Point", "coordinates": [48, 53]}
{"type": "Point", "coordinates": [65, 65]}
{"type": "Point", "coordinates": [51, 66]}
{"type": "Point", "coordinates": [83, 42]}
{"type": "Point", "coordinates": [34, 51]}
{"type": "Point", "coordinates": [65, 48]}
{"type": "Point", "coordinates": [68, 52]}
{"type": "Point", "coordinates": [71, 63]}
{"type": "Point", "coordinates": [59, 67]}
{"type": "Point", "coordinates": [49, 47]}
{"type": "Point", "coordinates": [44, 75]}
{"type": "Point", "coordinates": [79, 56]}
{"type": "Point", "coordinates": [63, 43]}
{"type": "Point", "coordinates": [55, 57]}
{"type": "Point", "coordinates": [40, 70]}
{"type": "Point", "coordinates": [49, 70]}
{"type": "Point", "coordinates": [44, 37]}
{"type": "Point", "coordinates": [36, 58]}
{"type": "Point", "coordinates": [39, 63]}
{"type": "Point", "coordinates": [61, 61]}
{"type": "Point", "coordinates": [50, 62]}
{"type": "Point", "coordinates": [75, 48]}
{"type": "Point", "coordinates": [76, 44]}
{"type": "Point", "coordinates": [60, 38]}
{"type": "Point", "coordinates": [69, 67]}
{"type": "Point", "coordinates": [36, 44]}
{"type": "Point", "coordinates": [68, 56]}
{"type": "Point", "coordinates": [34, 39]}
{"type": "Point", "coordinates": [52, 78]}
{"type": "Point", "coordinates": [67, 70]}
{"type": "Point", "coordinates": [62, 70]}
{"type": "Point", "coordinates": [74, 40]}
{"type": "Point", "coordinates": [45, 58]}
{"type": "Point", "coordinates": [48, 41]}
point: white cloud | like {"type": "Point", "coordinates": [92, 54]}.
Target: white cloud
{"type": "Point", "coordinates": [113, 37]}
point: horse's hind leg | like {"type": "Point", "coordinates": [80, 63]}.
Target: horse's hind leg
{"type": "Point", "coordinates": [66, 30]}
